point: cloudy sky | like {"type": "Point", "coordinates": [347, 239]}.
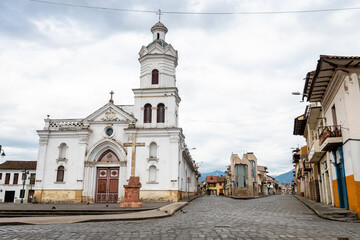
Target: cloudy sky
{"type": "Point", "coordinates": [235, 74]}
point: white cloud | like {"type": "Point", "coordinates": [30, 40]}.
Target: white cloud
{"type": "Point", "coordinates": [235, 74]}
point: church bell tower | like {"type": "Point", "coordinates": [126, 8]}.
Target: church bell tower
{"type": "Point", "coordinates": [157, 100]}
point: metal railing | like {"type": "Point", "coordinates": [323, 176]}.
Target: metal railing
{"type": "Point", "coordinates": [329, 131]}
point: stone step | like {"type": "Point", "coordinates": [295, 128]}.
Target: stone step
{"type": "Point", "coordinates": [18, 213]}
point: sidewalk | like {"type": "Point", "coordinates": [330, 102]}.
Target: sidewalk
{"type": "Point", "coordinates": [35, 210]}
{"type": "Point", "coordinates": [164, 211]}
{"type": "Point", "coordinates": [329, 212]}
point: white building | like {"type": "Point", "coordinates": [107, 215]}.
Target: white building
{"type": "Point", "coordinates": [85, 160]}
{"type": "Point", "coordinates": [336, 85]}
{"type": "Point", "coordinates": [17, 179]}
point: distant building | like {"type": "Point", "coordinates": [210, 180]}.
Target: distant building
{"type": "Point", "coordinates": [244, 175]}
{"type": "Point", "coordinates": [215, 185]}
{"type": "Point", "coordinates": [273, 186]}
{"type": "Point", "coordinates": [262, 180]}
{"type": "Point", "coordinates": [13, 176]}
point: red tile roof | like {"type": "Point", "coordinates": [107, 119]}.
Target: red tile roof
{"type": "Point", "coordinates": [18, 165]}
{"type": "Point", "coordinates": [215, 179]}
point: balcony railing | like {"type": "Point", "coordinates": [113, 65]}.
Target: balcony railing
{"type": "Point", "coordinates": [330, 131]}
{"type": "Point", "coordinates": [315, 154]}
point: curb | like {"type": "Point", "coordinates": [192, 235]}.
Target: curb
{"type": "Point", "coordinates": [312, 209]}
{"type": "Point", "coordinates": [319, 214]}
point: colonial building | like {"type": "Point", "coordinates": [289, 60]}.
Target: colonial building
{"type": "Point", "coordinates": [88, 159]}
{"type": "Point", "coordinates": [333, 131]}
{"type": "Point", "coordinates": [216, 185]}
{"type": "Point", "coordinates": [17, 179]}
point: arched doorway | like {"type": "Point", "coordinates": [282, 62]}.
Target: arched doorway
{"type": "Point", "coordinates": [107, 178]}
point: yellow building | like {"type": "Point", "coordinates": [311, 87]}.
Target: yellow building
{"type": "Point", "coordinates": [215, 185]}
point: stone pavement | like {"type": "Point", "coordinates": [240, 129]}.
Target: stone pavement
{"type": "Point", "coordinates": [329, 212]}
{"type": "Point", "coordinates": [209, 217]}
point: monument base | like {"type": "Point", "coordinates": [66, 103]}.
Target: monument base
{"type": "Point", "coordinates": [132, 194]}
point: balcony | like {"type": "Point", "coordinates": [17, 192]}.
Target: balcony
{"type": "Point", "coordinates": [296, 158]}
{"type": "Point", "coordinates": [330, 138]}
{"type": "Point", "coordinates": [315, 154]}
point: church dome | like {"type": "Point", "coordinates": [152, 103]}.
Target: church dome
{"type": "Point", "coordinates": [159, 31]}
{"type": "Point", "coordinates": [158, 41]}
{"type": "Point", "coordinates": [159, 27]}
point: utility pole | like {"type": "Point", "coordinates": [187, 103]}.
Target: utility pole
{"type": "Point", "coordinates": [25, 172]}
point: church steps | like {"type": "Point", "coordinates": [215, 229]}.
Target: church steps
{"type": "Point", "coordinates": [20, 213]}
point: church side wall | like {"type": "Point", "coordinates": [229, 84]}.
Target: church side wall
{"type": "Point", "coordinates": [70, 190]}
{"type": "Point", "coordinates": [165, 186]}
{"type": "Point", "coordinates": [158, 186]}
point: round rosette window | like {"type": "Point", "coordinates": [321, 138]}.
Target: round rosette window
{"type": "Point", "coordinates": [109, 131]}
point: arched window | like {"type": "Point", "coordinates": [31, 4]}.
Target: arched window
{"type": "Point", "coordinates": [62, 151]}
{"type": "Point", "coordinates": [147, 113]}
{"type": "Point", "coordinates": [60, 174]}
{"type": "Point", "coordinates": [155, 76]}
{"type": "Point", "coordinates": [152, 174]}
{"type": "Point", "coordinates": [153, 150]}
{"type": "Point", "coordinates": [161, 113]}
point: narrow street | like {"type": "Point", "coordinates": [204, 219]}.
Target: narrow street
{"type": "Point", "coordinates": [210, 217]}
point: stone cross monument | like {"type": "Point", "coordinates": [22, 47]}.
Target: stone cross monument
{"type": "Point", "coordinates": [132, 190]}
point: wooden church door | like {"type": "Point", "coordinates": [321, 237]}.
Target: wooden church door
{"type": "Point", "coordinates": [107, 184]}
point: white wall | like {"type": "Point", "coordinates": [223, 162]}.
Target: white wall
{"type": "Point", "coordinates": [15, 187]}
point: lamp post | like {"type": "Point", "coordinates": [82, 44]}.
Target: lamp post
{"type": "Point", "coordinates": [2, 152]}
{"type": "Point", "coordinates": [297, 93]}
{"type": "Point", "coordinates": [24, 180]}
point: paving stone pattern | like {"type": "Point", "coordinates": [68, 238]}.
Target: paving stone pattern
{"type": "Point", "coordinates": [210, 217]}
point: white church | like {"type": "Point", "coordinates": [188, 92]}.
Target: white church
{"type": "Point", "coordinates": [87, 160]}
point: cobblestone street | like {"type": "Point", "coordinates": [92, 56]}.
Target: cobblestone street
{"type": "Point", "coordinates": [275, 217]}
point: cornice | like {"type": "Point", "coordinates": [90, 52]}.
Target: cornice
{"type": "Point", "coordinates": [333, 88]}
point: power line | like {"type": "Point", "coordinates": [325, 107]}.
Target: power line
{"type": "Point", "coordinates": [200, 13]}
{"type": "Point", "coordinates": [95, 7]}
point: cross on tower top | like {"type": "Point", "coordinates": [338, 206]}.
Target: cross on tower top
{"type": "Point", "coordinates": [159, 13]}
{"type": "Point", "coordinates": [111, 96]}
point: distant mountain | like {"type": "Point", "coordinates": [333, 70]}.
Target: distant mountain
{"type": "Point", "coordinates": [285, 178]}
{"type": "Point", "coordinates": [214, 173]}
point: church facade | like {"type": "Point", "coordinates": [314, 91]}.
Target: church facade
{"type": "Point", "coordinates": [88, 160]}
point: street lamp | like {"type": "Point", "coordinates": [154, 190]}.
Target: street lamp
{"type": "Point", "coordinates": [24, 180]}
{"type": "Point", "coordinates": [297, 93]}
{"type": "Point", "coordinates": [3, 153]}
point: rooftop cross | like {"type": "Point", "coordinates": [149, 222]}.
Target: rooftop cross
{"type": "Point", "coordinates": [111, 97]}
{"type": "Point", "coordinates": [159, 13]}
